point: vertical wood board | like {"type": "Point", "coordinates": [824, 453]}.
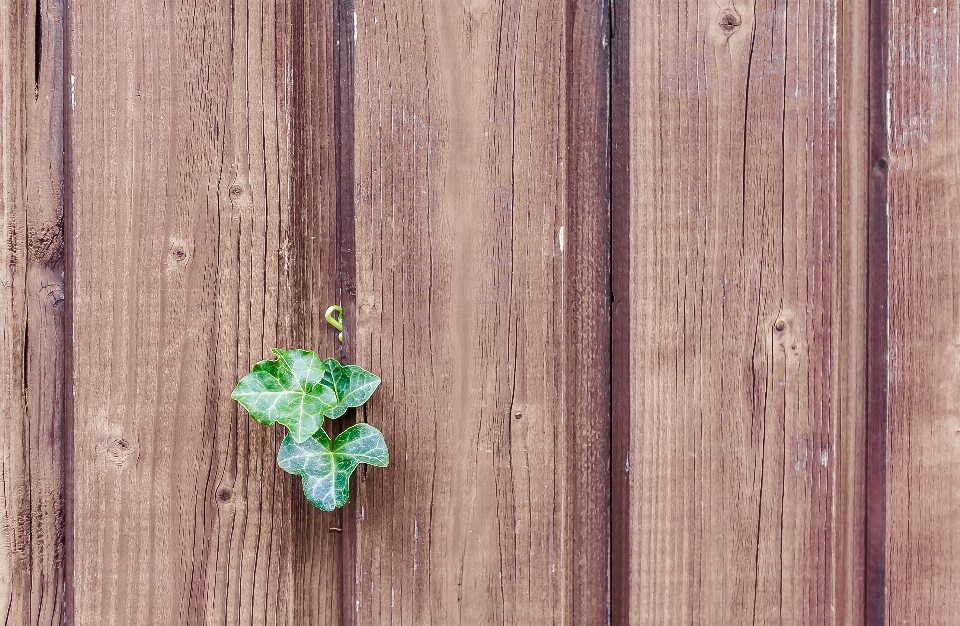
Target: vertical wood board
{"type": "Point", "coordinates": [309, 270]}
{"type": "Point", "coordinates": [849, 386]}
{"type": "Point", "coordinates": [922, 103]}
{"type": "Point", "coordinates": [742, 443]}
{"type": "Point", "coordinates": [31, 399]}
{"type": "Point", "coordinates": [14, 452]}
{"type": "Point", "coordinates": [197, 246]}
{"type": "Point", "coordinates": [482, 250]}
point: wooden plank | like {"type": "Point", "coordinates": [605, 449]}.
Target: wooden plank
{"type": "Point", "coordinates": [739, 338]}
{"type": "Point", "coordinates": [310, 226]}
{"type": "Point", "coordinates": [196, 246]}
{"type": "Point", "coordinates": [923, 213]}
{"type": "Point", "coordinates": [620, 262]}
{"type": "Point", "coordinates": [32, 580]}
{"type": "Point", "coordinates": [877, 325]}
{"type": "Point", "coordinates": [851, 310]}
{"type": "Point", "coordinates": [345, 24]}
{"type": "Point", "coordinates": [585, 299]}
{"type": "Point", "coordinates": [482, 248]}
{"type": "Point", "coordinates": [45, 310]}
{"type": "Point", "coordinates": [14, 444]}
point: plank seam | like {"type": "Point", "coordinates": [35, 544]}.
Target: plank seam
{"type": "Point", "coordinates": [877, 328]}
{"type": "Point", "coordinates": [619, 155]}
{"type": "Point", "coordinates": [69, 609]}
{"type": "Point", "coordinates": [343, 65]}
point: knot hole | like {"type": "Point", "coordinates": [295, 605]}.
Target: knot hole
{"type": "Point", "coordinates": [729, 21]}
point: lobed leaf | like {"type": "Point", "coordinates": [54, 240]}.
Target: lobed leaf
{"type": "Point", "coordinates": [326, 466]}
{"type": "Point", "coordinates": [290, 390]}
{"type": "Point", "coordinates": [352, 384]}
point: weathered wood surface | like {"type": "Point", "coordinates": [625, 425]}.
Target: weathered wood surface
{"type": "Point", "coordinates": [482, 301]}
{"type": "Point", "coordinates": [923, 195]}
{"type": "Point", "coordinates": [876, 326]}
{"type": "Point", "coordinates": [31, 310]}
{"type": "Point", "coordinates": [780, 258]}
{"type": "Point", "coordinates": [741, 326]}
{"type": "Point", "coordinates": [14, 453]}
{"type": "Point", "coordinates": [197, 245]}
{"type": "Point", "coordinates": [851, 309]}
{"type": "Point", "coordinates": [308, 278]}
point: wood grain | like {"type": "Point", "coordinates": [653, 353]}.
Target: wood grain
{"type": "Point", "coordinates": [851, 310]}
{"type": "Point", "coordinates": [482, 249]}
{"type": "Point", "coordinates": [45, 308]}
{"type": "Point", "coordinates": [877, 323]}
{"type": "Point", "coordinates": [693, 376]}
{"type": "Point", "coordinates": [309, 277]}
{"type": "Point", "coordinates": [585, 298]}
{"type": "Point", "coordinates": [197, 246]}
{"type": "Point", "coordinates": [923, 213]}
{"type": "Point", "coordinates": [739, 333]}
{"type": "Point", "coordinates": [32, 580]}
{"type": "Point", "coordinates": [14, 446]}
{"type": "Point", "coordinates": [620, 263]}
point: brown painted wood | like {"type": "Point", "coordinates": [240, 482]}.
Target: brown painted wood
{"type": "Point", "coordinates": [620, 262]}
{"type": "Point", "coordinates": [852, 310]}
{"type": "Point", "coordinates": [31, 314]}
{"type": "Point", "coordinates": [45, 308]}
{"type": "Point", "coordinates": [482, 251]}
{"type": "Point", "coordinates": [14, 438]}
{"type": "Point", "coordinates": [740, 336]}
{"type": "Point", "coordinates": [310, 225]}
{"type": "Point", "coordinates": [877, 323]}
{"type": "Point", "coordinates": [585, 299]}
{"type": "Point", "coordinates": [344, 24]}
{"type": "Point", "coordinates": [778, 263]}
{"type": "Point", "coordinates": [923, 212]}
{"type": "Point", "coordinates": [197, 245]}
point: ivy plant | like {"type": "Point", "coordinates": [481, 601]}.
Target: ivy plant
{"type": "Point", "coordinates": [298, 390]}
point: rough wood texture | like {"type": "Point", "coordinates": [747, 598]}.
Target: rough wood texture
{"type": "Point", "coordinates": [483, 302]}
{"type": "Point", "coordinates": [31, 399]}
{"type": "Point", "coordinates": [779, 254]}
{"type": "Point", "coordinates": [850, 310]}
{"type": "Point", "coordinates": [877, 323]}
{"type": "Point", "coordinates": [923, 438]}
{"type": "Point", "coordinates": [309, 277]}
{"type": "Point", "coordinates": [191, 230]}
{"type": "Point", "coordinates": [14, 445]}
{"type": "Point", "coordinates": [738, 339]}
{"type": "Point", "coordinates": [620, 262]}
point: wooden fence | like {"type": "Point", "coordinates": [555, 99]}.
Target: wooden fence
{"type": "Point", "coordinates": [663, 297]}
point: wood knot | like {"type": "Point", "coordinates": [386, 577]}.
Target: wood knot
{"type": "Point", "coordinates": [236, 191]}
{"type": "Point", "coordinates": [178, 252]}
{"type": "Point", "coordinates": [729, 21]}
{"type": "Point", "coordinates": [54, 291]}
{"type": "Point", "coordinates": [45, 242]}
{"type": "Point", "coordinates": [118, 451]}
{"type": "Point", "coordinates": [224, 495]}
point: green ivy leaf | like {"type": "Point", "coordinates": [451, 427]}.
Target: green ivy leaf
{"type": "Point", "coordinates": [352, 384]}
{"type": "Point", "coordinates": [289, 390]}
{"type": "Point", "coordinates": [326, 466]}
